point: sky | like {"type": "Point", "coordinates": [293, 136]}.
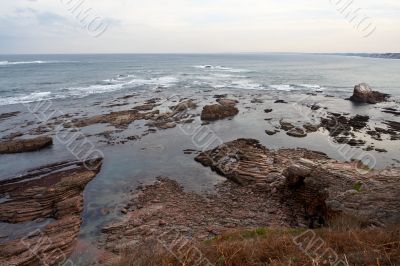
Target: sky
{"type": "Point", "coordinates": [198, 26]}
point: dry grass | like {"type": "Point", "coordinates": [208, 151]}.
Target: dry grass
{"type": "Point", "coordinates": [268, 246]}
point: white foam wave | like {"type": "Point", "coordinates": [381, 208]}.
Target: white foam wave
{"type": "Point", "coordinates": [293, 87]}
{"type": "Point", "coordinates": [7, 63]}
{"type": "Point", "coordinates": [83, 91]}
{"type": "Point", "coordinates": [113, 85]}
{"type": "Point", "coordinates": [247, 85]}
{"type": "Point", "coordinates": [281, 87]}
{"type": "Point", "coordinates": [32, 97]}
{"type": "Point", "coordinates": [221, 68]}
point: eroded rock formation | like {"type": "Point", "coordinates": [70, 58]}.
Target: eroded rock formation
{"type": "Point", "coordinates": [308, 180]}
{"type": "Point", "coordinates": [24, 145]}
{"type": "Point", "coordinates": [364, 94]}
{"type": "Point", "coordinates": [218, 111]}
{"type": "Point", "coordinates": [51, 195]}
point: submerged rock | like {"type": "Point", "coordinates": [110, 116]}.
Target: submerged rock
{"type": "Point", "coordinates": [5, 116]}
{"type": "Point", "coordinates": [286, 125]}
{"type": "Point", "coordinates": [224, 101]}
{"type": "Point", "coordinates": [297, 133]}
{"type": "Point", "coordinates": [53, 194]}
{"type": "Point", "coordinates": [218, 111]}
{"type": "Point", "coordinates": [364, 94]}
{"type": "Point", "coordinates": [25, 145]}
{"type": "Point", "coordinates": [271, 132]}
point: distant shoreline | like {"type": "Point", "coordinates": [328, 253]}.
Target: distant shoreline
{"type": "Point", "coordinates": [373, 55]}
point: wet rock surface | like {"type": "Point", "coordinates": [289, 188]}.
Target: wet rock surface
{"type": "Point", "coordinates": [24, 145]}
{"type": "Point", "coordinates": [165, 207]}
{"type": "Point", "coordinates": [324, 187]}
{"type": "Point", "coordinates": [364, 94]}
{"type": "Point", "coordinates": [5, 116]}
{"type": "Point", "coordinates": [287, 187]}
{"type": "Point", "coordinates": [53, 194]}
{"type": "Point", "coordinates": [297, 133]}
{"type": "Point", "coordinates": [218, 111]}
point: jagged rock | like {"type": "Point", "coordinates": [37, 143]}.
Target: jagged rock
{"type": "Point", "coordinates": [5, 116]}
{"type": "Point", "coordinates": [391, 111]}
{"type": "Point", "coordinates": [119, 119]}
{"type": "Point", "coordinates": [314, 183]}
{"type": "Point", "coordinates": [286, 125]}
{"type": "Point", "coordinates": [328, 188]}
{"type": "Point", "coordinates": [52, 194]}
{"type": "Point", "coordinates": [218, 96]}
{"type": "Point", "coordinates": [271, 132]}
{"type": "Point", "coordinates": [224, 101]}
{"type": "Point", "coordinates": [145, 107]}
{"type": "Point", "coordinates": [25, 145]}
{"type": "Point", "coordinates": [315, 107]}
{"type": "Point", "coordinates": [256, 101]}
{"type": "Point", "coordinates": [364, 94]}
{"type": "Point", "coordinates": [218, 111]}
{"type": "Point", "coordinates": [246, 161]}
{"type": "Point", "coordinates": [184, 105]}
{"type": "Point", "coordinates": [356, 142]}
{"type": "Point", "coordinates": [338, 124]}
{"type": "Point", "coordinates": [122, 119]}
{"type": "Point", "coordinates": [297, 133]}
{"type": "Point", "coordinates": [310, 127]}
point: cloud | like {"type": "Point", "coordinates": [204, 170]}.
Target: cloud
{"type": "Point", "coordinates": [196, 26]}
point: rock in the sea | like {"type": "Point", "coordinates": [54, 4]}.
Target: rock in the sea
{"type": "Point", "coordinates": [310, 127]}
{"type": "Point", "coordinates": [246, 161]}
{"type": "Point", "coordinates": [271, 132]}
{"type": "Point", "coordinates": [286, 125]}
{"type": "Point", "coordinates": [218, 111]}
{"type": "Point", "coordinates": [268, 111]}
{"type": "Point", "coordinates": [364, 94]}
{"type": "Point", "coordinates": [25, 145]}
{"type": "Point", "coordinates": [224, 101]}
{"type": "Point", "coordinates": [52, 194]}
{"type": "Point", "coordinates": [5, 116]}
{"type": "Point", "coordinates": [184, 105]}
{"type": "Point", "coordinates": [280, 101]}
{"type": "Point", "coordinates": [297, 133]}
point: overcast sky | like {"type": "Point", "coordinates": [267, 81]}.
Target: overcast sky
{"type": "Point", "coordinates": [169, 26]}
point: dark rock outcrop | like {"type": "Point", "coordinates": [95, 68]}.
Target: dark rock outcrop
{"type": "Point", "coordinates": [5, 116]}
{"type": "Point", "coordinates": [364, 94]}
{"type": "Point", "coordinates": [24, 145]}
{"type": "Point", "coordinates": [53, 194]}
{"type": "Point", "coordinates": [297, 133]}
{"type": "Point", "coordinates": [218, 111]}
{"type": "Point", "coordinates": [311, 181]}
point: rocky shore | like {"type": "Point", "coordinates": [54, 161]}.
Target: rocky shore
{"type": "Point", "coordinates": [267, 182]}
{"type": "Point", "coordinates": [293, 188]}
{"type": "Point", "coordinates": [51, 199]}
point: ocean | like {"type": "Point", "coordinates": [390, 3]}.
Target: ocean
{"type": "Point", "coordinates": [28, 78]}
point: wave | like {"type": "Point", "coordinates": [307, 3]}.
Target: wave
{"type": "Point", "coordinates": [293, 87]}
{"type": "Point", "coordinates": [32, 97]}
{"type": "Point", "coordinates": [83, 91]}
{"type": "Point", "coordinates": [247, 85]}
{"type": "Point", "coordinates": [8, 63]}
{"type": "Point", "coordinates": [221, 68]}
